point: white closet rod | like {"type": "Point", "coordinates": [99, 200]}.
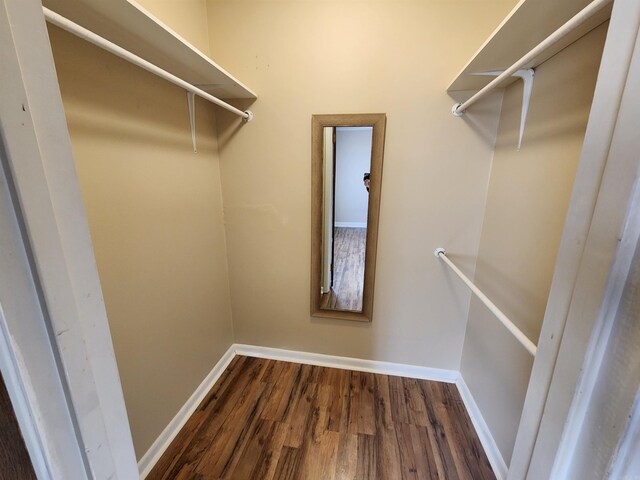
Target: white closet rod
{"type": "Point", "coordinates": [69, 26]}
{"type": "Point", "coordinates": [459, 108]}
{"type": "Point", "coordinates": [441, 253]}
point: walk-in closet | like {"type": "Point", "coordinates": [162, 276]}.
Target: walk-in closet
{"type": "Point", "coordinates": [281, 239]}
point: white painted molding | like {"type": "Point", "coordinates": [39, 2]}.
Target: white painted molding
{"type": "Point", "coordinates": [387, 368]}
{"type": "Point", "coordinates": [348, 363]}
{"type": "Point", "coordinates": [149, 459]}
{"type": "Point", "coordinates": [18, 391]}
{"type": "Point", "coordinates": [598, 349]}
{"type": "Point", "coordinates": [351, 224]}
{"type": "Point", "coordinates": [625, 463]}
{"type": "Point", "coordinates": [482, 429]}
{"type": "Point", "coordinates": [68, 355]}
{"type": "Point", "coordinates": [589, 238]}
{"type": "Point", "coordinates": [356, 364]}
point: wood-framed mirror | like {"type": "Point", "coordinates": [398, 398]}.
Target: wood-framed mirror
{"type": "Point", "coordinates": [346, 179]}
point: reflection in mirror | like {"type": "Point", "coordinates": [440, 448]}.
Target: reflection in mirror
{"type": "Point", "coordinates": [347, 164]}
{"type": "Point", "coordinates": [347, 169]}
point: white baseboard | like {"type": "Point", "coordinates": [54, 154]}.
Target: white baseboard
{"type": "Point", "coordinates": [348, 363]}
{"type": "Point", "coordinates": [361, 365]}
{"type": "Point", "coordinates": [351, 224]}
{"type": "Point", "coordinates": [148, 461]}
{"type": "Point", "coordinates": [397, 369]}
{"type": "Point", "coordinates": [482, 429]}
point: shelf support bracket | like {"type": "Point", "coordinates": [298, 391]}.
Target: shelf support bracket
{"type": "Point", "coordinates": [526, 74]}
{"type": "Point", "coordinates": [527, 77]}
{"type": "Point", "coordinates": [192, 117]}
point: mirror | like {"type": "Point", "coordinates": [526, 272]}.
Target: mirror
{"type": "Point", "coordinates": [346, 179]}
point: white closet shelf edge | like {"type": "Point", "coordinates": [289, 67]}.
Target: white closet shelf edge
{"type": "Point", "coordinates": [528, 24]}
{"type": "Point", "coordinates": [130, 26]}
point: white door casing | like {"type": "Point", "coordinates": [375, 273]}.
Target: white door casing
{"type": "Point", "coordinates": [595, 220]}
{"type": "Point", "coordinates": [48, 206]}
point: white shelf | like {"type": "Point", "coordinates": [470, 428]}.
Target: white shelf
{"type": "Point", "coordinates": [130, 26]}
{"type": "Point", "coordinates": [530, 22]}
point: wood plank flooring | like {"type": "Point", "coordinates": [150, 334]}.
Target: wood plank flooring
{"type": "Point", "coordinates": [348, 270]}
{"type": "Point", "coordinates": [267, 419]}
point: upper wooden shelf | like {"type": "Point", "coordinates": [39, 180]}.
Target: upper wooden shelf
{"type": "Point", "coordinates": [130, 26]}
{"type": "Point", "coordinates": [528, 24]}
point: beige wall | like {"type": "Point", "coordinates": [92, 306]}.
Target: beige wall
{"type": "Point", "coordinates": [305, 58]}
{"type": "Point", "coordinates": [528, 196]}
{"type": "Point", "coordinates": [188, 18]}
{"type": "Point", "coordinates": [155, 215]}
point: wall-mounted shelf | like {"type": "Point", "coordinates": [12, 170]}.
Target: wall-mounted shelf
{"type": "Point", "coordinates": [130, 26]}
{"type": "Point", "coordinates": [529, 23]}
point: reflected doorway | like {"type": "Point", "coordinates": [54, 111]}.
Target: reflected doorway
{"type": "Point", "coordinates": [347, 164]}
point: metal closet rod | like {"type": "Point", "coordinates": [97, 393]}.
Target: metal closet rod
{"type": "Point", "coordinates": [459, 108]}
{"type": "Point", "coordinates": [88, 35]}
{"type": "Point", "coordinates": [441, 253]}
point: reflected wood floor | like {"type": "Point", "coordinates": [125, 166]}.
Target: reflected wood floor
{"type": "Point", "coordinates": [268, 419]}
{"type": "Point", "coordinates": [348, 270]}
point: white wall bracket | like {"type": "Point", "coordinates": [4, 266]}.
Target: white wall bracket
{"type": "Point", "coordinates": [526, 75]}
{"type": "Point", "coordinates": [455, 110]}
{"type": "Point", "coordinates": [192, 117]}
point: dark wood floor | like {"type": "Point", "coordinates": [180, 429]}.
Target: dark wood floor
{"type": "Point", "coordinates": [14, 458]}
{"type": "Point", "coordinates": [267, 419]}
{"type": "Point", "coordinates": [348, 270]}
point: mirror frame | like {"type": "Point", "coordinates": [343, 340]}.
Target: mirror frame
{"type": "Point", "coordinates": [318, 123]}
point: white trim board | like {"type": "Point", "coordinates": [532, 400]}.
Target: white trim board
{"type": "Point", "coordinates": [12, 374]}
{"type": "Point", "coordinates": [149, 459]}
{"type": "Point", "coordinates": [348, 363]}
{"type": "Point", "coordinates": [55, 314]}
{"type": "Point", "coordinates": [397, 369]}
{"type": "Point", "coordinates": [482, 429]}
{"type": "Point", "coordinates": [351, 224]}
